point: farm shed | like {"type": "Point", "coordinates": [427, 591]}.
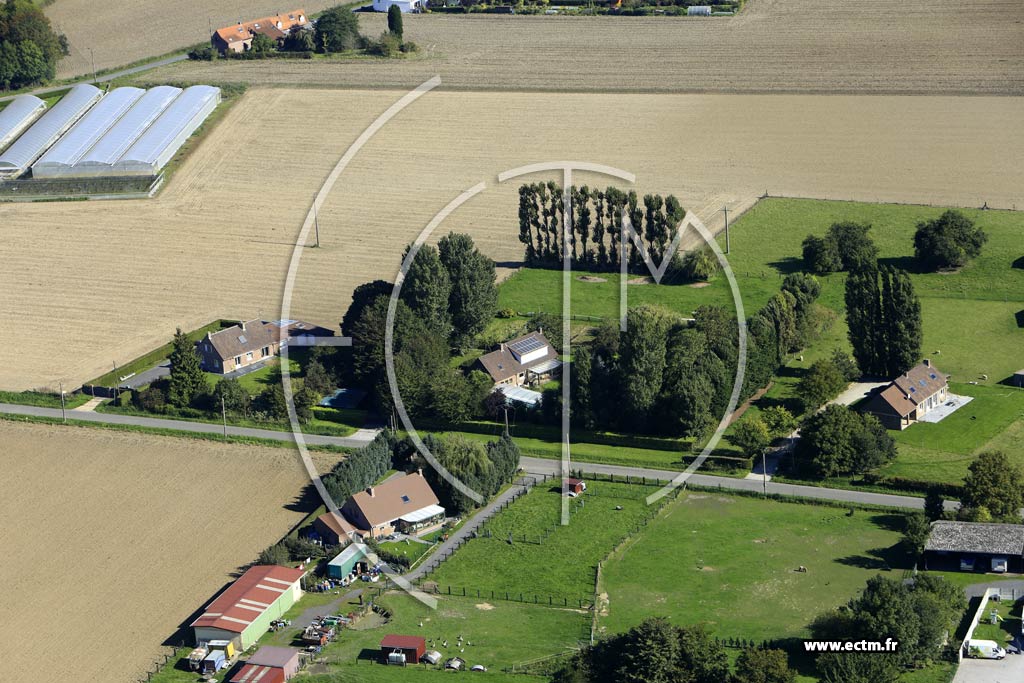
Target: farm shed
{"type": "Point", "coordinates": [284, 659]}
{"type": "Point", "coordinates": [412, 648]}
{"type": "Point", "coordinates": [115, 142]}
{"type": "Point", "coordinates": [405, 5]}
{"type": "Point", "coordinates": [243, 612]}
{"type": "Point", "coordinates": [17, 116]}
{"type": "Point", "coordinates": [574, 486]}
{"type": "Point", "coordinates": [47, 129]}
{"type": "Point", "coordinates": [698, 11]}
{"type": "Point", "coordinates": [60, 159]}
{"type": "Point", "coordinates": [164, 138]}
{"type": "Point", "coordinates": [949, 543]}
{"type": "Point", "coordinates": [349, 559]}
{"type": "Point", "coordinates": [1018, 379]}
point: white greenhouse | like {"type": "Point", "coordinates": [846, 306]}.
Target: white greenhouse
{"type": "Point", "coordinates": [161, 141]}
{"type": "Point", "coordinates": [17, 116]}
{"type": "Point", "coordinates": [47, 130]}
{"type": "Point", "coordinates": [101, 158]}
{"type": "Point", "coordinates": [60, 159]}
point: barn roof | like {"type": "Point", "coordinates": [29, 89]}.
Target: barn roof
{"type": "Point", "coordinates": [253, 673]}
{"type": "Point", "coordinates": [268, 655]}
{"type": "Point", "coordinates": [393, 641]}
{"type": "Point", "coordinates": [246, 599]}
{"type": "Point", "coordinates": [976, 537]}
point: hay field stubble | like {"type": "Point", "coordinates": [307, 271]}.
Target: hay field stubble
{"type": "Point", "coordinates": [773, 46]}
{"type": "Point", "coordinates": [89, 283]}
{"type": "Point", "coordinates": [113, 539]}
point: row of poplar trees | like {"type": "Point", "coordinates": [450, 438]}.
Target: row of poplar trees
{"type": "Point", "coordinates": [596, 226]}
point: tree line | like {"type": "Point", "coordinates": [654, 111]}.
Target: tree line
{"type": "Point", "coordinates": [29, 47]}
{"type": "Point", "coordinates": [670, 376]}
{"type": "Point", "coordinates": [596, 230]}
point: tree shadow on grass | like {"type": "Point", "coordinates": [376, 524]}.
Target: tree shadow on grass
{"type": "Point", "coordinates": [789, 371]}
{"type": "Point", "coordinates": [889, 522]}
{"type": "Point", "coordinates": [1019, 315]}
{"type": "Point", "coordinates": [907, 263]}
{"type": "Point", "coordinates": [369, 654]}
{"type": "Point", "coordinates": [1019, 263]}
{"type": "Point", "coordinates": [791, 403]}
{"type": "Point", "coordinates": [878, 559]}
{"type": "Point", "coordinates": [787, 265]}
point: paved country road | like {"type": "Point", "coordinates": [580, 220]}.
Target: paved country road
{"type": "Point", "coordinates": [103, 79]}
{"type": "Point", "coordinates": [360, 438]}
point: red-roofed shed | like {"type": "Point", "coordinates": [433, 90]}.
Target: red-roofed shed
{"type": "Point", "coordinates": [413, 647]}
{"type": "Point", "coordinates": [243, 612]}
{"type": "Point", "coordinates": [256, 673]}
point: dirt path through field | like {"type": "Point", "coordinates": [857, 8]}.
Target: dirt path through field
{"type": "Point", "coordinates": [86, 284]}
{"type": "Point", "coordinates": [112, 539]}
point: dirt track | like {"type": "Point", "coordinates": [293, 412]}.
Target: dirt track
{"type": "Point", "coordinates": [819, 46]}
{"type": "Point", "coordinates": [112, 539]}
{"type": "Point", "coordinates": [86, 284]}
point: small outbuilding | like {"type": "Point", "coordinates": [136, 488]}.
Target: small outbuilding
{"type": "Point", "coordinates": [576, 486]}
{"type": "Point", "coordinates": [284, 659]}
{"type": "Point", "coordinates": [1018, 379]}
{"type": "Point", "coordinates": [405, 6]}
{"type": "Point", "coordinates": [253, 673]}
{"type": "Point", "coordinates": [975, 546]}
{"type": "Point", "coordinates": [698, 11]}
{"type": "Point", "coordinates": [356, 557]}
{"type": "Point", "coordinates": [402, 650]}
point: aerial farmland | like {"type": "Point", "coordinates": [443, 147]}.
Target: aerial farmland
{"type": "Point", "coordinates": [802, 125]}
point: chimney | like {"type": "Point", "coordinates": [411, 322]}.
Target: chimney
{"type": "Point", "coordinates": [502, 347]}
{"type": "Point", "coordinates": [369, 490]}
{"type": "Point", "coordinates": [242, 325]}
{"type": "Point", "coordinates": [927, 362]}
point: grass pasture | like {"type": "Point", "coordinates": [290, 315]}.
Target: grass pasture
{"type": "Point", "coordinates": [730, 561]}
{"type": "Point", "coordinates": [563, 566]}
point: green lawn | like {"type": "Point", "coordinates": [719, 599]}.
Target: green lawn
{"type": "Point", "coordinates": [411, 550]}
{"type": "Point", "coordinates": [1008, 627]}
{"type": "Point", "coordinates": [564, 565]}
{"type": "Point", "coordinates": [941, 452]}
{"type": "Point", "coordinates": [730, 561]}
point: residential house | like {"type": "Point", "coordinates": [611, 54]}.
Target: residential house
{"type": "Point", "coordinates": [522, 361]}
{"type": "Point", "coordinates": [909, 396]}
{"type": "Point", "coordinates": [238, 38]}
{"type": "Point", "coordinates": [251, 342]}
{"type": "Point", "coordinates": [404, 5]}
{"type": "Point", "coordinates": [405, 504]}
{"type": "Point", "coordinates": [977, 546]}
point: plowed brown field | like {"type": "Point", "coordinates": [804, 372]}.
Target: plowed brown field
{"type": "Point", "coordinates": [821, 46]}
{"type": "Point", "coordinates": [112, 539]}
{"type": "Point", "coordinates": [85, 284]}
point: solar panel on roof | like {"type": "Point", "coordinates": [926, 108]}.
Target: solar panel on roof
{"type": "Point", "coordinates": [527, 345]}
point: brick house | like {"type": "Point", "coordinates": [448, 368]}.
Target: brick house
{"type": "Point", "coordinates": [238, 38]}
{"type": "Point", "coordinates": [406, 504]}
{"type": "Point", "coordinates": [520, 361]}
{"type": "Point", "coordinates": [252, 341]}
{"type": "Point", "coordinates": [909, 396]}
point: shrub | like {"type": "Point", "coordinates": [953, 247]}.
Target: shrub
{"type": "Point", "coordinates": [202, 53]}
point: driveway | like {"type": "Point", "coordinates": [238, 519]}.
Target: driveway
{"type": "Point", "coordinates": [1009, 670]}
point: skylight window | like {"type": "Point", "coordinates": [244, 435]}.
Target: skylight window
{"type": "Point", "coordinates": [933, 376]}
{"type": "Point", "coordinates": [913, 390]}
{"type": "Point", "coordinates": [242, 338]}
{"type": "Point", "coordinates": [405, 499]}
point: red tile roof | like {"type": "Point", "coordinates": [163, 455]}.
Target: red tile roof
{"type": "Point", "coordinates": [254, 673]}
{"type": "Point", "coordinates": [244, 31]}
{"type": "Point", "coordinates": [396, 642]}
{"type": "Point", "coordinates": [248, 597]}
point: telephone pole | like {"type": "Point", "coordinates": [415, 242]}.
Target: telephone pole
{"type": "Point", "coordinates": [92, 58]}
{"type": "Point", "coordinates": [726, 210]}
{"type": "Point", "coordinates": [224, 416]}
{"type": "Point", "coordinates": [63, 412]}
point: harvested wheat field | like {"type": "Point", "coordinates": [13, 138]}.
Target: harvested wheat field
{"type": "Point", "coordinates": [113, 539]}
{"type": "Point", "coordinates": [156, 27]}
{"type": "Point", "coordinates": [89, 283]}
{"type": "Point", "coordinates": [823, 46]}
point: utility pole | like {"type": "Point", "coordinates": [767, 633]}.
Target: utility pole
{"type": "Point", "coordinates": [506, 420]}
{"type": "Point", "coordinates": [63, 412]}
{"type": "Point", "coordinates": [92, 58]}
{"type": "Point", "coordinates": [764, 469]}
{"type": "Point", "coordinates": [316, 221]}
{"type": "Point", "coordinates": [726, 210]}
{"type": "Point", "coordinates": [224, 415]}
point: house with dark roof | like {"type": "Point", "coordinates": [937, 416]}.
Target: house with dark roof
{"type": "Point", "coordinates": [405, 503]}
{"type": "Point", "coordinates": [908, 397]}
{"type": "Point", "coordinates": [521, 361]}
{"type": "Point", "coordinates": [984, 546]}
{"type": "Point", "coordinates": [253, 341]}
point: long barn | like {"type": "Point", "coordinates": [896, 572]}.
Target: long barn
{"type": "Point", "coordinates": [243, 612]}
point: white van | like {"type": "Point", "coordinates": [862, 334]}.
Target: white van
{"type": "Point", "coordinates": [984, 649]}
